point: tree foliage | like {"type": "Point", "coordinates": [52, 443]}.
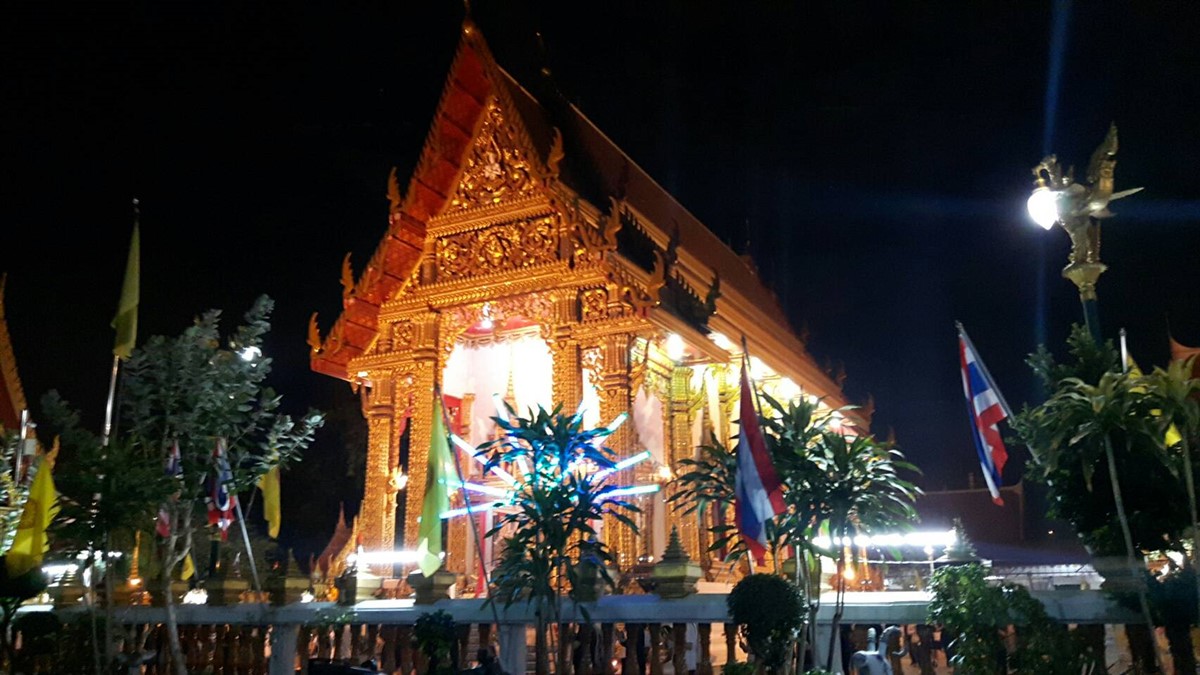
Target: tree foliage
{"type": "Point", "coordinates": [841, 482]}
{"type": "Point", "coordinates": [979, 618]}
{"type": "Point", "coordinates": [848, 482]}
{"type": "Point", "coordinates": [128, 477]}
{"type": "Point", "coordinates": [565, 491]}
{"type": "Point", "coordinates": [769, 613]}
{"type": "Point", "coordinates": [1094, 406]}
{"type": "Point", "coordinates": [197, 388]}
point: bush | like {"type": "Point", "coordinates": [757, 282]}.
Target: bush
{"type": "Point", "coordinates": [976, 617]}
{"type": "Point", "coordinates": [434, 635]}
{"type": "Point", "coordinates": [769, 612]}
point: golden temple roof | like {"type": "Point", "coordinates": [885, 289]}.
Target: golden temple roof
{"type": "Point", "coordinates": [12, 396]}
{"type": "Point", "coordinates": [575, 153]}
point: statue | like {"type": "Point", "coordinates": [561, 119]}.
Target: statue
{"type": "Point", "coordinates": [1081, 207]}
{"type": "Point", "coordinates": [874, 659]}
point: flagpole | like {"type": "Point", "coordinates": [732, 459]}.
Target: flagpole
{"type": "Point", "coordinates": [112, 392]}
{"type": "Point", "coordinates": [1124, 353]}
{"type": "Point", "coordinates": [237, 508]}
{"type": "Point", "coordinates": [983, 369]}
{"type": "Point", "coordinates": [746, 365]}
{"type": "Point", "coordinates": [132, 265]}
{"type": "Point", "coordinates": [754, 402]}
{"type": "Point", "coordinates": [462, 487]}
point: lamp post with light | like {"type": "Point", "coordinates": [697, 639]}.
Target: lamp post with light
{"type": "Point", "coordinates": [1079, 207]}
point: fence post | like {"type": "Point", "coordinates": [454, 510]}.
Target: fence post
{"type": "Point", "coordinates": [512, 647]}
{"type": "Point", "coordinates": [283, 649]}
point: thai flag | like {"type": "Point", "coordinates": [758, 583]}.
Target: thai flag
{"type": "Point", "coordinates": [986, 407]}
{"type": "Point", "coordinates": [173, 467]}
{"type": "Point", "coordinates": [758, 494]}
{"type": "Point", "coordinates": [220, 501]}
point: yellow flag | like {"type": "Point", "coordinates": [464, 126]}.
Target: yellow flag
{"type": "Point", "coordinates": [189, 568]}
{"type": "Point", "coordinates": [1172, 436]}
{"type": "Point", "coordinates": [269, 484]}
{"type": "Point", "coordinates": [29, 544]}
{"type": "Point", "coordinates": [437, 496]}
{"type": "Point", "coordinates": [126, 319]}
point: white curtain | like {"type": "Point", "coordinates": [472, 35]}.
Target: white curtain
{"type": "Point", "coordinates": [484, 370]}
{"type": "Point", "coordinates": [591, 399]}
{"type": "Point", "coordinates": [648, 421]}
{"type": "Point", "coordinates": [456, 373]}
{"type": "Point", "coordinates": [532, 374]}
{"type": "Point", "coordinates": [489, 370]}
{"type": "Point", "coordinates": [714, 405]}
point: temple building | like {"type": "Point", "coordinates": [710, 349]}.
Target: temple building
{"type": "Point", "coordinates": [529, 258]}
{"type": "Point", "coordinates": [12, 396]}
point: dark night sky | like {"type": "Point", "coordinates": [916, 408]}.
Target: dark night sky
{"type": "Point", "coordinates": [877, 156]}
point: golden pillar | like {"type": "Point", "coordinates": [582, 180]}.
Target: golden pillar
{"type": "Point", "coordinates": [679, 436]}
{"type": "Point", "coordinates": [615, 399]}
{"type": "Point", "coordinates": [426, 364]}
{"type": "Point", "coordinates": [568, 375]}
{"type": "Point", "coordinates": [727, 381]}
{"type": "Point", "coordinates": [377, 526]}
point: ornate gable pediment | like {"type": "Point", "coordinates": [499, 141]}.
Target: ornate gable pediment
{"type": "Point", "coordinates": [499, 166]}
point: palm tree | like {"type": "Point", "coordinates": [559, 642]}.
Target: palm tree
{"type": "Point", "coordinates": [865, 493]}
{"type": "Point", "coordinates": [562, 490]}
{"type": "Point", "coordinates": [1100, 419]}
{"type": "Point", "coordinates": [847, 483]}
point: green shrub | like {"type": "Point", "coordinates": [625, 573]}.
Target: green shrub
{"type": "Point", "coordinates": [769, 612]}
{"type": "Point", "coordinates": [977, 616]}
{"type": "Point", "coordinates": [434, 635]}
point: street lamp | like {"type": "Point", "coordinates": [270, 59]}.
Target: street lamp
{"type": "Point", "coordinates": [1079, 208]}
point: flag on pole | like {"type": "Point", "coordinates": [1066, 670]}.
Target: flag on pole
{"type": "Point", "coordinates": [986, 408]}
{"type": "Point", "coordinates": [29, 543]}
{"type": "Point", "coordinates": [173, 467]}
{"type": "Point", "coordinates": [437, 495]}
{"type": "Point", "coordinates": [125, 322]}
{"type": "Point", "coordinates": [270, 485]}
{"type": "Point", "coordinates": [189, 568]}
{"type": "Point", "coordinates": [220, 501]}
{"type": "Point", "coordinates": [758, 492]}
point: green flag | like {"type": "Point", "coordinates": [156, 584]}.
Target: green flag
{"type": "Point", "coordinates": [126, 319]}
{"type": "Point", "coordinates": [437, 495]}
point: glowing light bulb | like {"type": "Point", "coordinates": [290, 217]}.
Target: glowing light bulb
{"type": "Point", "coordinates": [720, 340]}
{"type": "Point", "coordinates": [664, 474]}
{"type": "Point", "coordinates": [788, 389]}
{"type": "Point", "coordinates": [675, 347]}
{"type": "Point", "coordinates": [758, 369]}
{"type": "Point", "coordinates": [250, 353]}
{"type": "Point", "coordinates": [1043, 207]}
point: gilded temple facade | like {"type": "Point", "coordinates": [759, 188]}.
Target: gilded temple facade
{"type": "Point", "coordinates": [529, 258]}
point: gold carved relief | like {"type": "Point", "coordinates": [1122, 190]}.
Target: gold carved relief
{"type": "Point", "coordinates": [402, 335]}
{"type": "Point", "coordinates": [510, 246]}
{"type": "Point", "coordinates": [591, 242]}
{"type": "Point", "coordinates": [594, 304]}
{"type": "Point", "coordinates": [497, 168]}
{"type": "Point", "coordinates": [535, 307]}
{"type": "Point", "coordinates": [592, 360]}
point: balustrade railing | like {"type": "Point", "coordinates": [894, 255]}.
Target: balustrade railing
{"type": "Point", "coordinates": [689, 635]}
